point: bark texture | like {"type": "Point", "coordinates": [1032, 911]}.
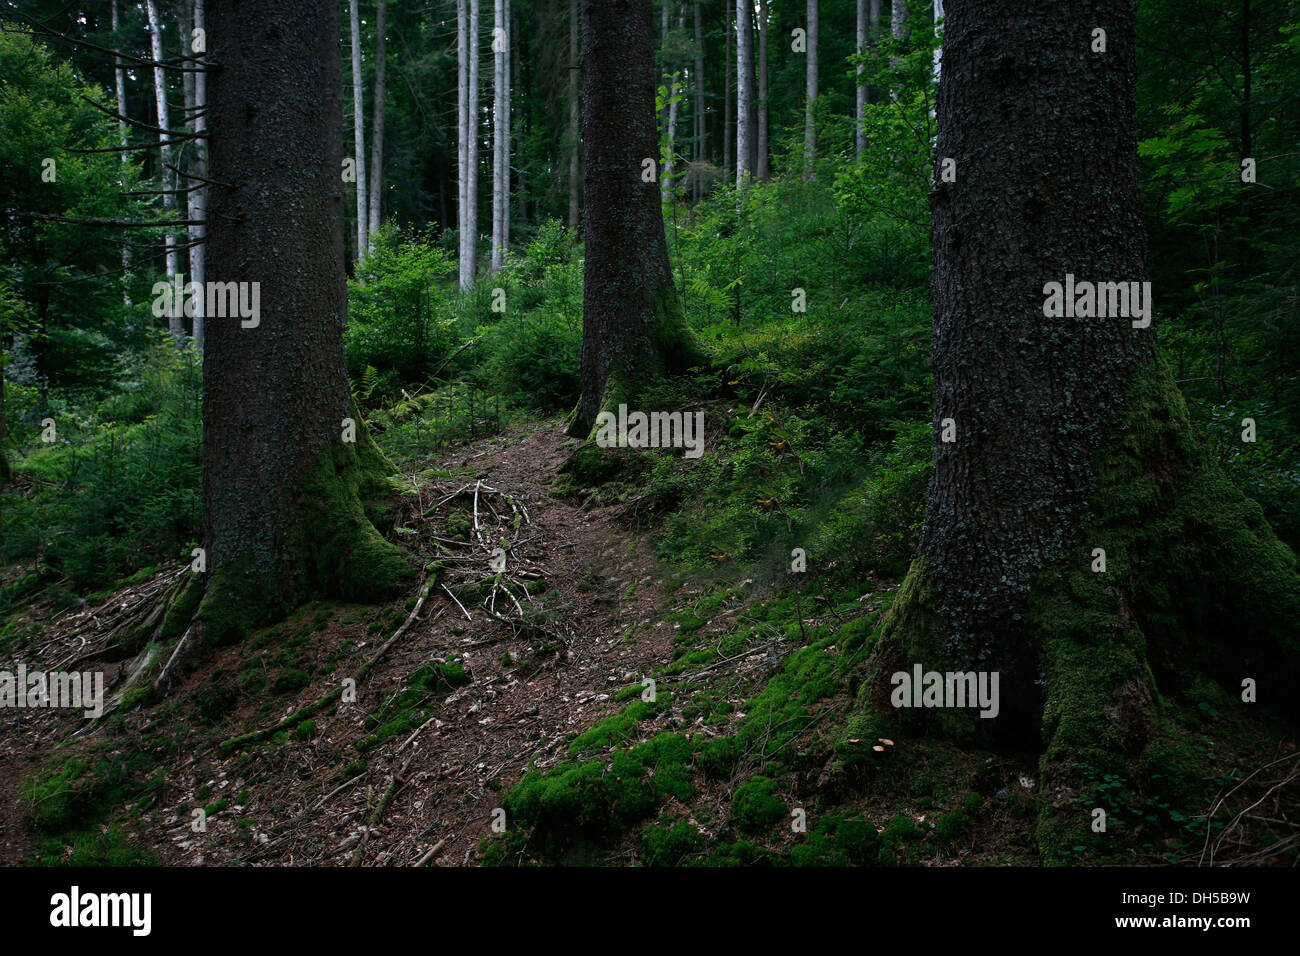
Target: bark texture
{"type": "Point", "coordinates": [632, 323]}
{"type": "Point", "coordinates": [1070, 436]}
{"type": "Point", "coordinates": [287, 503]}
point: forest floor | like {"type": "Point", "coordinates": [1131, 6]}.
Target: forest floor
{"type": "Point", "coordinates": [284, 803]}
{"type": "Point", "coordinates": [454, 712]}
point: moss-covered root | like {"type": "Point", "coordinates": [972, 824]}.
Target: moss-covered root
{"type": "Point", "coordinates": [1195, 582]}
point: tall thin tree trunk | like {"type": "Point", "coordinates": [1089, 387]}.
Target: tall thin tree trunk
{"type": "Point", "coordinates": [729, 103]}
{"type": "Point", "coordinates": [471, 159]}
{"type": "Point", "coordinates": [860, 84]}
{"type": "Point", "coordinates": [744, 91]}
{"type": "Point", "coordinates": [938, 50]}
{"type": "Point", "coordinates": [198, 199]}
{"type": "Point", "coordinates": [359, 129]}
{"type": "Point", "coordinates": [176, 319]}
{"type": "Point", "coordinates": [500, 132]}
{"type": "Point", "coordinates": [575, 135]}
{"type": "Point", "coordinates": [898, 27]}
{"type": "Point", "coordinates": [763, 150]}
{"type": "Point", "coordinates": [633, 329]}
{"type": "Point", "coordinates": [119, 85]}
{"type": "Point", "coordinates": [810, 119]}
{"type": "Point", "coordinates": [464, 125]}
{"type": "Point", "coordinates": [674, 94]}
{"type": "Point", "coordinates": [376, 171]}
{"type": "Point", "coordinates": [701, 129]}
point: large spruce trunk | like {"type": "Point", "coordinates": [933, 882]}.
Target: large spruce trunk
{"type": "Point", "coordinates": [284, 495]}
{"type": "Point", "coordinates": [632, 324]}
{"type": "Point", "coordinates": [1069, 436]}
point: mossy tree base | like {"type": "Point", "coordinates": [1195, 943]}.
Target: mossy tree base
{"type": "Point", "coordinates": [335, 551]}
{"type": "Point", "coordinates": [1195, 584]}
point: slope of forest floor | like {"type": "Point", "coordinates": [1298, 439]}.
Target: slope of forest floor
{"type": "Point", "coordinates": [613, 715]}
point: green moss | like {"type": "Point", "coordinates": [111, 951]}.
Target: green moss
{"type": "Point", "coordinates": [900, 829]}
{"type": "Point", "coordinates": [669, 846]}
{"type": "Point", "coordinates": [289, 681]}
{"type": "Point", "coordinates": [1188, 559]}
{"type": "Point", "coordinates": [584, 805]}
{"type": "Point", "coordinates": [755, 809]}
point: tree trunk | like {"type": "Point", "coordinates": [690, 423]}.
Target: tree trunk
{"type": "Point", "coordinates": [744, 91]}
{"type": "Point", "coordinates": [633, 329]}
{"type": "Point", "coordinates": [809, 121]}
{"type": "Point", "coordinates": [359, 130]}
{"type": "Point", "coordinates": [763, 165]}
{"type": "Point", "coordinates": [674, 92]}
{"type": "Point", "coordinates": [701, 130]}
{"type": "Point", "coordinates": [728, 109]}
{"type": "Point", "coordinates": [462, 141]}
{"type": "Point", "coordinates": [288, 504]}
{"type": "Point", "coordinates": [575, 137]}
{"type": "Point", "coordinates": [500, 132]}
{"type": "Point", "coordinates": [198, 199]}
{"type": "Point", "coordinates": [471, 159]}
{"type": "Point", "coordinates": [898, 28]}
{"type": "Point", "coordinates": [1070, 436]}
{"type": "Point", "coordinates": [176, 319]}
{"type": "Point", "coordinates": [938, 50]}
{"type": "Point", "coordinates": [376, 181]}
{"type": "Point", "coordinates": [119, 85]}
{"type": "Point", "coordinates": [860, 85]}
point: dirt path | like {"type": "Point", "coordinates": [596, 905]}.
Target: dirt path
{"type": "Point", "coordinates": [290, 802]}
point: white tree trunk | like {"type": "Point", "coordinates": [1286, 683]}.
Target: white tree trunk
{"type": "Point", "coordinates": [176, 319]}
{"type": "Point", "coordinates": [119, 83]}
{"type": "Point", "coordinates": [376, 171]}
{"type": "Point", "coordinates": [462, 133]}
{"type": "Point", "coordinates": [196, 98]}
{"type": "Point", "coordinates": [860, 108]}
{"type": "Point", "coordinates": [575, 138]}
{"type": "Point", "coordinates": [763, 164]}
{"type": "Point", "coordinates": [358, 128]}
{"type": "Point", "coordinates": [744, 90]}
{"type": "Point", "coordinates": [471, 194]}
{"type": "Point", "coordinates": [729, 102]}
{"type": "Point", "coordinates": [674, 93]}
{"type": "Point", "coordinates": [938, 50]}
{"type": "Point", "coordinates": [897, 28]}
{"type": "Point", "coordinates": [809, 122]}
{"type": "Point", "coordinates": [500, 131]}
{"type": "Point", "coordinates": [701, 152]}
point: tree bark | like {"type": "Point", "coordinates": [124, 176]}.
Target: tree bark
{"type": "Point", "coordinates": [633, 329]}
{"type": "Point", "coordinates": [462, 141]}
{"type": "Point", "coordinates": [744, 92]}
{"type": "Point", "coordinates": [1070, 435]}
{"type": "Point", "coordinates": [471, 187]}
{"type": "Point", "coordinates": [175, 320]}
{"type": "Point", "coordinates": [810, 121]}
{"type": "Point", "coordinates": [359, 130]}
{"type": "Point", "coordinates": [762, 167]}
{"type": "Point", "coordinates": [500, 133]}
{"type": "Point", "coordinates": [119, 85]}
{"type": "Point", "coordinates": [198, 199]}
{"type": "Point", "coordinates": [898, 27]}
{"type": "Point", "coordinates": [575, 136]}
{"type": "Point", "coordinates": [728, 109]}
{"type": "Point", "coordinates": [376, 171]}
{"type": "Point", "coordinates": [674, 92]}
{"type": "Point", "coordinates": [860, 85]}
{"type": "Point", "coordinates": [288, 503]}
{"type": "Point", "coordinates": [701, 129]}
